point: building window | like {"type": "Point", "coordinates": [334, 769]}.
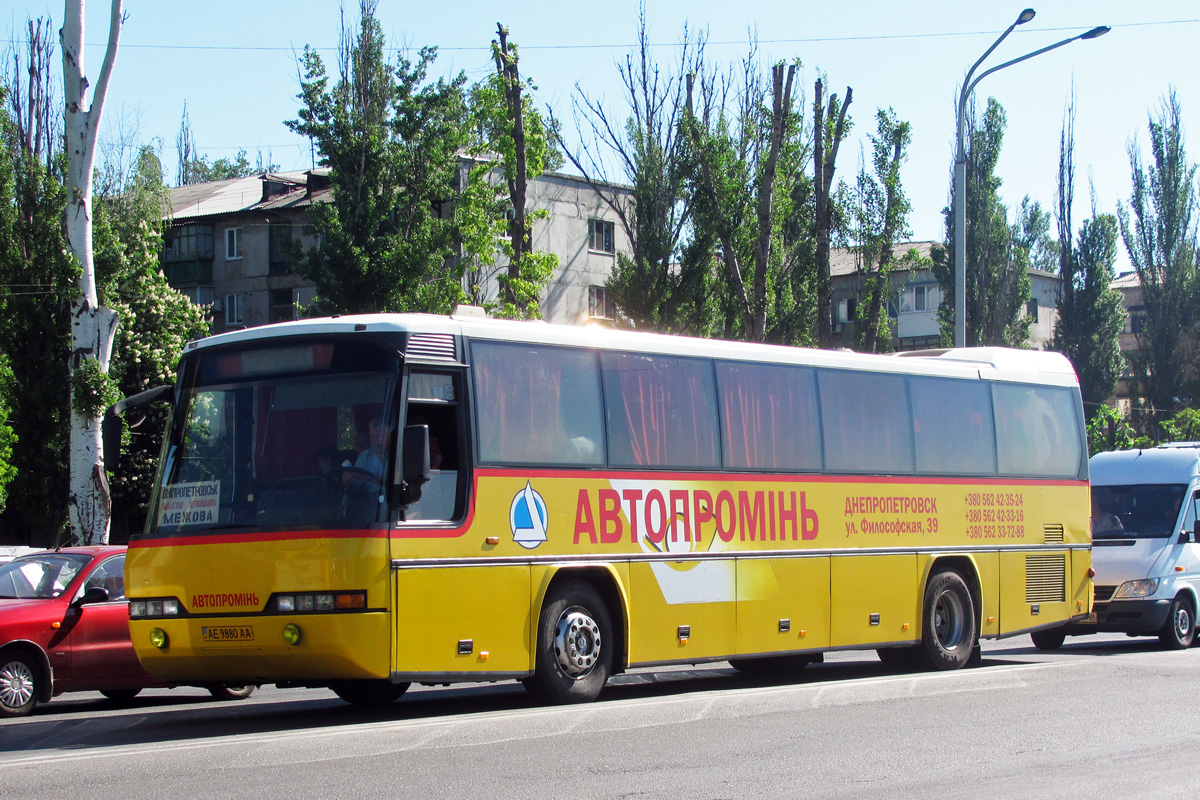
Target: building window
{"type": "Point", "coordinates": [233, 243]}
{"type": "Point", "coordinates": [925, 297]}
{"type": "Point", "coordinates": [283, 305]}
{"type": "Point", "coordinates": [600, 236]}
{"type": "Point", "coordinates": [1031, 309]}
{"type": "Point", "coordinates": [233, 309]}
{"type": "Point", "coordinates": [280, 241]}
{"type": "Point", "coordinates": [597, 304]}
{"type": "Point", "coordinates": [189, 243]}
{"type": "Point", "coordinates": [1136, 321]}
{"type": "Point", "coordinates": [846, 310]}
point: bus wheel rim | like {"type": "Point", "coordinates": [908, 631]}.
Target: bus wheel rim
{"type": "Point", "coordinates": [576, 642]}
{"type": "Point", "coordinates": [16, 684]}
{"type": "Point", "coordinates": [948, 620]}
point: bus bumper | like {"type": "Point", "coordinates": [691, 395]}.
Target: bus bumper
{"type": "Point", "coordinates": [253, 649]}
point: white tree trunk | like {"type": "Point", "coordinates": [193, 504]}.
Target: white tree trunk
{"type": "Point", "coordinates": [92, 327]}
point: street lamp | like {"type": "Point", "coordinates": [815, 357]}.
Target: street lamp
{"type": "Point", "coordinates": [960, 166]}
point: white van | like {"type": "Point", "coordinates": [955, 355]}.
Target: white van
{"type": "Point", "coordinates": [1145, 548]}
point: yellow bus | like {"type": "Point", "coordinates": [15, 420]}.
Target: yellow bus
{"type": "Point", "coordinates": [363, 502]}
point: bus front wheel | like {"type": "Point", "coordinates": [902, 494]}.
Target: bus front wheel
{"type": "Point", "coordinates": [948, 638]}
{"type": "Point", "coordinates": [575, 645]}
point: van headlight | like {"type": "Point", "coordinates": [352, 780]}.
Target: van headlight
{"type": "Point", "coordinates": [1143, 588]}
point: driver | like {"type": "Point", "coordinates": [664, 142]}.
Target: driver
{"type": "Point", "coordinates": [372, 460]}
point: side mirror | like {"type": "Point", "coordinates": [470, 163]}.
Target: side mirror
{"type": "Point", "coordinates": [110, 426]}
{"type": "Point", "coordinates": [416, 470]}
{"type": "Point", "coordinates": [93, 594]}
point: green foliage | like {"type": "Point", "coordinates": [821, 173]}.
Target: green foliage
{"type": "Point", "coordinates": [1183, 427]}
{"type": "Point", "coordinates": [1031, 237]}
{"type": "Point", "coordinates": [498, 148]}
{"type": "Point", "coordinates": [92, 390]}
{"type": "Point", "coordinates": [998, 285]}
{"type": "Point", "coordinates": [744, 173]}
{"type": "Point", "coordinates": [881, 218]}
{"type": "Point", "coordinates": [8, 436]}
{"type": "Point", "coordinates": [39, 280]}
{"type": "Point", "coordinates": [1159, 230]}
{"type": "Point", "coordinates": [1091, 317]}
{"type": "Point", "coordinates": [391, 138]}
{"type": "Point", "coordinates": [200, 170]}
{"type": "Point", "coordinates": [1108, 430]}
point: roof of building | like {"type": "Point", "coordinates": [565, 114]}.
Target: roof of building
{"type": "Point", "coordinates": [242, 194]}
{"type": "Point", "coordinates": [1129, 280]}
{"type": "Point", "coordinates": [848, 260]}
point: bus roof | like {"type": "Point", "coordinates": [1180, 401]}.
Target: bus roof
{"type": "Point", "coordinates": [1177, 462]}
{"type": "Point", "coordinates": [995, 363]}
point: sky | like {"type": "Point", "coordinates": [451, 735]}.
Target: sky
{"type": "Point", "coordinates": [236, 66]}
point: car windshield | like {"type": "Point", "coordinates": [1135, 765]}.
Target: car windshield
{"type": "Point", "coordinates": [281, 436]}
{"type": "Point", "coordinates": [40, 577]}
{"type": "Point", "coordinates": [1143, 511]}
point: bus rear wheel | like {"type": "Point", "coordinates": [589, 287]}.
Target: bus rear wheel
{"type": "Point", "coordinates": [948, 638]}
{"type": "Point", "coordinates": [369, 694]}
{"type": "Point", "coordinates": [1180, 628]}
{"type": "Point", "coordinates": [575, 645]}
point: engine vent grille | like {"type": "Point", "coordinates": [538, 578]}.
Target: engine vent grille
{"type": "Point", "coordinates": [1046, 578]}
{"type": "Point", "coordinates": [1054, 534]}
{"type": "Point", "coordinates": [431, 347]}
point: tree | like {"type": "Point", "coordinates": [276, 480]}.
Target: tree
{"type": "Point", "coordinates": [93, 327]}
{"type": "Point", "coordinates": [193, 167]}
{"type": "Point", "coordinates": [998, 285]}
{"type": "Point", "coordinates": [513, 129]}
{"type": "Point", "coordinates": [827, 137]}
{"type": "Point", "coordinates": [882, 219]}
{"type": "Point", "coordinates": [1032, 241]}
{"type": "Point", "coordinates": [389, 236]}
{"type": "Point", "coordinates": [39, 278]}
{"type": "Point", "coordinates": [1159, 230]}
{"type": "Point", "coordinates": [1090, 314]}
{"type": "Point", "coordinates": [743, 163]}
{"type": "Point", "coordinates": [157, 321]}
{"type": "Point", "coordinates": [657, 285]}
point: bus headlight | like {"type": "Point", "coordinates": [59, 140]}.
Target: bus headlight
{"type": "Point", "coordinates": [158, 638]}
{"type": "Point", "coordinates": [1143, 588]}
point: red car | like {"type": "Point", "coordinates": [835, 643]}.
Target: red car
{"type": "Point", "coordinates": [64, 627]}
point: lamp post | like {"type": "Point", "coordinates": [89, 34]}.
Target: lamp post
{"type": "Point", "coordinates": [960, 165]}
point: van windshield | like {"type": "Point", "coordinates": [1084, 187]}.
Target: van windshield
{"type": "Point", "coordinates": [1143, 511]}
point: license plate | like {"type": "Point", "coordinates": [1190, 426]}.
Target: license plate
{"type": "Point", "coordinates": [227, 633]}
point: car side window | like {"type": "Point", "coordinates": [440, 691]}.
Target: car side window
{"type": "Point", "coordinates": [111, 576]}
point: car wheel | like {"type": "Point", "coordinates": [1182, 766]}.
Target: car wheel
{"type": "Point", "coordinates": [223, 692]}
{"type": "Point", "coordinates": [1180, 629]}
{"type": "Point", "coordinates": [120, 695]}
{"type": "Point", "coordinates": [20, 685]}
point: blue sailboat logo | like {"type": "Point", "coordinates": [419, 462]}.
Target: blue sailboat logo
{"type": "Point", "coordinates": [527, 518]}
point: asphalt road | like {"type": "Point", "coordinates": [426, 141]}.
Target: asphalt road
{"type": "Point", "coordinates": [1103, 717]}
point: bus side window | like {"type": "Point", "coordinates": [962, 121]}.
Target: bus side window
{"type": "Point", "coordinates": [433, 400]}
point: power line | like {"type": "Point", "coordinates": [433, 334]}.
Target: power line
{"type": "Point", "coordinates": [627, 46]}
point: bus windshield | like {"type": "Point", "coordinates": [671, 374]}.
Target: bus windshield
{"type": "Point", "coordinates": [294, 436]}
{"type": "Point", "coordinates": [1144, 511]}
